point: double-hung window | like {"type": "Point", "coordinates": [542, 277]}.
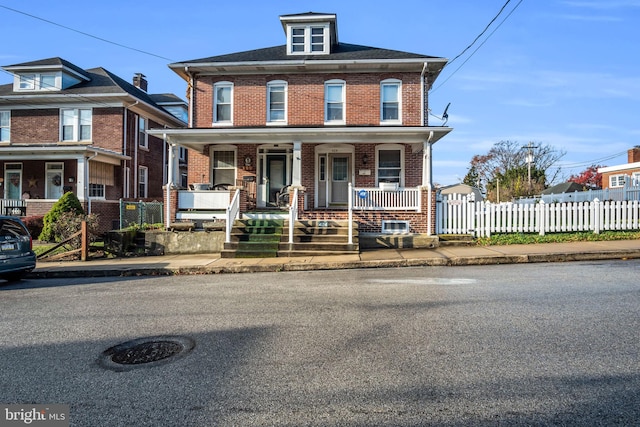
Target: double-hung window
{"type": "Point", "coordinates": [334, 102]}
{"type": "Point", "coordinates": [5, 126]}
{"type": "Point", "coordinates": [224, 167]}
{"type": "Point", "coordinates": [76, 124]}
{"type": "Point", "coordinates": [617, 180]}
{"type": "Point", "coordinates": [390, 158]}
{"type": "Point", "coordinates": [223, 103]}
{"type": "Point", "coordinates": [277, 102]}
{"type": "Point", "coordinates": [308, 39]}
{"type": "Point", "coordinates": [142, 134]}
{"type": "Point", "coordinates": [143, 181]}
{"type": "Point", "coordinates": [390, 96]}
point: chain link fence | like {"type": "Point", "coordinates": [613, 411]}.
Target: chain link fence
{"type": "Point", "coordinates": [139, 213]}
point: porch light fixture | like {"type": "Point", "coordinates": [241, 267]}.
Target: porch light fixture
{"type": "Point", "coordinates": [365, 159]}
{"type": "Point", "coordinates": [247, 160]}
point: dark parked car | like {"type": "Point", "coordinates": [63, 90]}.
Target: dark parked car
{"type": "Point", "coordinates": [16, 251]}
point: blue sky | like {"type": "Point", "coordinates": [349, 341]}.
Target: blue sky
{"type": "Point", "coordinates": [563, 73]}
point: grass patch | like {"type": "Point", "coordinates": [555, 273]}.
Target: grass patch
{"type": "Point", "coordinates": [530, 238]}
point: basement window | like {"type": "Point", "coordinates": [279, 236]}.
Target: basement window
{"type": "Point", "coordinates": [395, 227]}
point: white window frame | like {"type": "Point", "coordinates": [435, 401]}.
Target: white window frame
{"type": "Point", "coordinates": [635, 178]}
{"type": "Point", "coordinates": [9, 169]}
{"type": "Point", "coordinates": [77, 125]}
{"type": "Point", "coordinates": [53, 169]}
{"type": "Point", "coordinates": [143, 181]}
{"type": "Point", "coordinates": [391, 147]}
{"type": "Point", "coordinates": [219, 148]}
{"type": "Point", "coordinates": [327, 86]}
{"type": "Point", "coordinates": [303, 44]}
{"type": "Point", "coordinates": [216, 102]}
{"type": "Point", "coordinates": [143, 138]}
{"type": "Point", "coordinates": [271, 86]}
{"type": "Point", "coordinates": [617, 181]}
{"type": "Point", "coordinates": [398, 85]}
{"type": "Point", "coordinates": [36, 82]}
{"type": "Point", "coordinates": [5, 125]}
{"type": "Point", "coordinates": [395, 227]}
{"type": "Point", "coordinates": [97, 191]}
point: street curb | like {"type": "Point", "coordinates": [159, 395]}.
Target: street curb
{"type": "Point", "coordinates": [288, 267]}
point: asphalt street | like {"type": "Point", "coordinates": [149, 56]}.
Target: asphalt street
{"type": "Point", "coordinates": [526, 344]}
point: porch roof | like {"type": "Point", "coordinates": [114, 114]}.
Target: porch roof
{"type": "Point", "coordinates": [59, 152]}
{"type": "Point", "coordinates": [198, 138]}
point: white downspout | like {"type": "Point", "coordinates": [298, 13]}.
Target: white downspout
{"type": "Point", "coordinates": [86, 181]}
{"type": "Point", "coordinates": [190, 87]}
{"type": "Point", "coordinates": [423, 115]}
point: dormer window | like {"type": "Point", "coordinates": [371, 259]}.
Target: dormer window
{"type": "Point", "coordinates": [308, 39]}
{"type": "Point", "coordinates": [37, 82]}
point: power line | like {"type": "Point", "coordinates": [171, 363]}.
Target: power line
{"type": "Point", "coordinates": [481, 44]}
{"type": "Point", "coordinates": [86, 34]}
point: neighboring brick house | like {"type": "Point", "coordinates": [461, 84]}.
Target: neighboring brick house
{"type": "Point", "coordinates": [318, 115]}
{"type": "Point", "coordinates": [625, 174]}
{"type": "Point", "coordinates": [64, 128]}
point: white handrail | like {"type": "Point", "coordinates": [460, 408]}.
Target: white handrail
{"type": "Point", "coordinates": [293, 213]}
{"type": "Point", "coordinates": [232, 212]}
{"type": "Point", "coordinates": [350, 204]}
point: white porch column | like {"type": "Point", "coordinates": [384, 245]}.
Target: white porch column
{"type": "Point", "coordinates": [296, 172]}
{"type": "Point", "coordinates": [169, 185]}
{"type": "Point", "coordinates": [427, 174]}
{"type": "Point", "coordinates": [82, 174]}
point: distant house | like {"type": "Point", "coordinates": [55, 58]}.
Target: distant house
{"type": "Point", "coordinates": [564, 187]}
{"type": "Point", "coordinates": [345, 125]}
{"type": "Point", "coordinates": [627, 173]}
{"type": "Point", "coordinates": [64, 128]}
{"type": "Point", "coordinates": [461, 189]}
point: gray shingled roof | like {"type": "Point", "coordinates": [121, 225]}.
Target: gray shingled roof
{"type": "Point", "coordinates": [52, 62]}
{"type": "Point", "coordinates": [342, 51]}
{"type": "Point", "coordinates": [100, 81]}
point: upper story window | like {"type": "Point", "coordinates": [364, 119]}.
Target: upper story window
{"type": "Point", "coordinates": [277, 102]}
{"type": "Point", "coordinates": [76, 124]}
{"type": "Point", "coordinates": [334, 102]}
{"type": "Point", "coordinates": [5, 126]}
{"type": "Point", "coordinates": [37, 82]}
{"type": "Point", "coordinates": [223, 103]}
{"type": "Point", "coordinates": [308, 39]}
{"type": "Point", "coordinates": [143, 138]}
{"type": "Point", "coordinates": [390, 105]}
{"type": "Point", "coordinates": [617, 180]}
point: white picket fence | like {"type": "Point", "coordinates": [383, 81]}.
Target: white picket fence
{"type": "Point", "coordinates": [630, 191]}
{"type": "Point", "coordinates": [461, 214]}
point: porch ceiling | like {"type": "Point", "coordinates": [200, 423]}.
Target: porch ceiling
{"type": "Point", "coordinates": [197, 139]}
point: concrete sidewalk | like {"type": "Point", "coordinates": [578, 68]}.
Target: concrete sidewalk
{"type": "Point", "coordinates": [441, 256]}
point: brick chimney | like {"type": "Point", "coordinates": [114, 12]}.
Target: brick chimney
{"type": "Point", "coordinates": [140, 81]}
{"type": "Point", "coordinates": [633, 154]}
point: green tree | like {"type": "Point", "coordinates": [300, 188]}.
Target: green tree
{"type": "Point", "coordinates": [67, 203]}
{"type": "Point", "coordinates": [505, 169]}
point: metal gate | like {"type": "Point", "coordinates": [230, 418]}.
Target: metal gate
{"type": "Point", "coordinates": [139, 213]}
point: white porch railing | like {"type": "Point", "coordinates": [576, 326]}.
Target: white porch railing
{"type": "Point", "coordinates": [203, 199]}
{"type": "Point", "coordinates": [457, 214]}
{"type": "Point", "coordinates": [381, 199]}
{"type": "Point", "coordinates": [15, 207]}
{"type": "Point", "coordinates": [232, 213]}
{"type": "Point", "coordinates": [293, 213]}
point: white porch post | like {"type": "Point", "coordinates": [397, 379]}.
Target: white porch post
{"type": "Point", "coordinates": [169, 185]}
{"type": "Point", "coordinates": [81, 184]}
{"type": "Point", "coordinates": [296, 172]}
{"type": "Point", "coordinates": [427, 179]}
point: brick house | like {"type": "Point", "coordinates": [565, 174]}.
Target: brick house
{"type": "Point", "coordinates": [342, 126]}
{"type": "Point", "coordinates": [625, 174]}
{"type": "Point", "coordinates": [64, 128]}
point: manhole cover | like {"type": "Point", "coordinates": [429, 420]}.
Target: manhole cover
{"type": "Point", "coordinates": [145, 352]}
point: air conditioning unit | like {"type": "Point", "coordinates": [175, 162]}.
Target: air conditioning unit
{"type": "Point", "coordinates": [388, 186]}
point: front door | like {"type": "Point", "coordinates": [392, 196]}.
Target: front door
{"type": "Point", "coordinates": [339, 182]}
{"type": "Point", "coordinates": [276, 177]}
